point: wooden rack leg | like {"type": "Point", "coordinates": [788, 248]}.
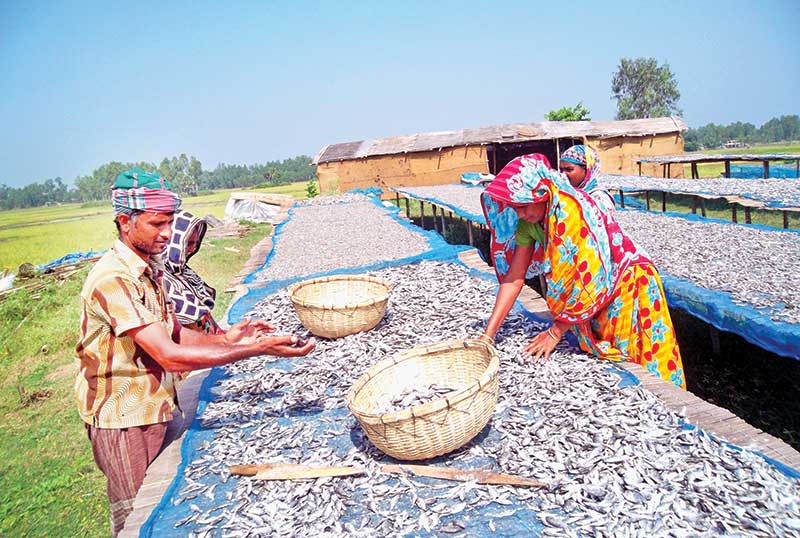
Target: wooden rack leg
{"type": "Point", "coordinates": [733, 212]}
{"type": "Point", "coordinates": [714, 334]}
{"type": "Point", "coordinates": [747, 215]}
{"type": "Point", "coordinates": [435, 229]}
{"type": "Point", "coordinates": [785, 219]}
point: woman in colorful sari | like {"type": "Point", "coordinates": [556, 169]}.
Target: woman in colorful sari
{"type": "Point", "coordinates": [192, 298]}
{"type": "Point", "coordinates": [599, 285]}
{"type": "Point", "coordinates": [581, 165]}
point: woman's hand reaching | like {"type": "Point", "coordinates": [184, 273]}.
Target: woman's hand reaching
{"type": "Point", "coordinates": [542, 345]}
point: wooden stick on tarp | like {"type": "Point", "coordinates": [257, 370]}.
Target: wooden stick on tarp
{"type": "Point", "coordinates": [288, 471]}
{"type": "Point", "coordinates": [463, 475]}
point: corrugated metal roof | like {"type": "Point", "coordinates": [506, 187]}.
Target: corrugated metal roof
{"type": "Point", "coordinates": [498, 134]}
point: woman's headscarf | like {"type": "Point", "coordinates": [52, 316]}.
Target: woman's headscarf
{"type": "Point", "coordinates": [588, 158]}
{"type": "Point", "coordinates": [584, 251]}
{"type": "Point", "coordinates": [192, 297]}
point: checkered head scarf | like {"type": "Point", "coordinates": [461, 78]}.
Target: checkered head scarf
{"type": "Point", "coordinates": [138, 190]}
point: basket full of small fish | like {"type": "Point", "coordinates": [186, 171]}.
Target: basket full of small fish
{"type": "Point", "coordinates": [429, 400]}
{"type": "Point", "coordinates": [340, 305]}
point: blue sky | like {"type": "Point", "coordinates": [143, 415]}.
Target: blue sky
{"type": "Point", "coordinates": [85, 83]}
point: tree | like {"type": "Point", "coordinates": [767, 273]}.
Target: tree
{"type": "Point", "coordinates": [643, 89]}
{"type": "Point", "coordinates": [566, 113]}
{"type": "Point", "coordinates": [193, 173]}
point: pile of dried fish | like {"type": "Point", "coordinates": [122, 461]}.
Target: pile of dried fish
{"type": "Point", "coordinates": [344, 198]}
{"type": "Point", "coordinates": [463, 197]}
{"type": "Point", "coordinates": [327, 236]}
{"type": "Point", "coordinates": [618, 462]}
{"type": "Point", "coordinates": [757, 267]}
{"type": "Point", "coordinates": [412, 397]}
{"type": "Point", "coordinates": [777, 192]}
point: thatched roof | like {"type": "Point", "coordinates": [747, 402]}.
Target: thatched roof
{"type": "Point", "coordinates": [498, 134]}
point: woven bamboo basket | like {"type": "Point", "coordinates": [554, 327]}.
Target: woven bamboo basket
{"type": "Point", "coordinates": [335, 306]}
{"type": "Point", "coordinates": [439, 426]}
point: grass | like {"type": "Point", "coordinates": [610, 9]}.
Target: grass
{"type": "Point", "coordinates": [715, 169]}
{"type": "Point", "coordinates": [42, 234]}
{"type": "Point", "coordinates": [49, 483]}
{"type": "Point", "coordinates": [721, 209]}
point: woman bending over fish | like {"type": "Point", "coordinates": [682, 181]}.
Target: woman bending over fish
{"type": "Point", "coordinates": [599, 285]}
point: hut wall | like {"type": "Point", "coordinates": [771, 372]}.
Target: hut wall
{"type": "Point", "coordinates": [409, 170]}
{"type": "Point", "coordinates": [618, 154]}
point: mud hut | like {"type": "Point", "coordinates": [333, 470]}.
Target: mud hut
{"type": "Point", "coordinates": [437, 158]}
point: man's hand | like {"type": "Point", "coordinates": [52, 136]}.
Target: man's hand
{"type": "Point", "coordinates": [248, 331]}
{"type": "Point", "coordinates": [286, 346]}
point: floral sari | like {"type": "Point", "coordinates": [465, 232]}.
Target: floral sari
{"type": "Point", "coordinates": [598, 282]}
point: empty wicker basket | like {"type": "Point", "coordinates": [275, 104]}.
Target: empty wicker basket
{"type": "Point", "coordinates": [439, 426]}
{"type": "Point", "coordinates": [336, 306]}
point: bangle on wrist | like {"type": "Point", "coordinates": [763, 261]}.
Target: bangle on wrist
{"type": "Point", "coordinates": [486, 336]}
{"type": "Point", "coordinates": [552, 335]}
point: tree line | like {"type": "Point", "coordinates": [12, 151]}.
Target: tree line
{"type": "Point", "coordinates": [184, 173]}
{"type": "Point", "coordinates": [714, 136]}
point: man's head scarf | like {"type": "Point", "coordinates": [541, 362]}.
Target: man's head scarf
{"type": "Point", "coordinates": [588, 158]}
{"type": "Point", "coordinates": [139, 190]}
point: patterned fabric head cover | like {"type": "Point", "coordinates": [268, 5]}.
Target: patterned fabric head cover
{"type": "Point", "coordinates": [585, 251]}
{"type": "Point", "coordinates": [496, 202]}
{"type": "Point", "coordinates": [191, 296]}
{"type": "Point", "coordinates": [588, 158]}
{"type": "Point", "coordinates": [139, 190]}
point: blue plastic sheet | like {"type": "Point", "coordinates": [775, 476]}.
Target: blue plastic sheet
{"type": "Point", "coordinates": [756, 171]}
{"type": "Point", "coordinates": [169, 510]}
{"type": "Point", "coordinates": [70, 258]}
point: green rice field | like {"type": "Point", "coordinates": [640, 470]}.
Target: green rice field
{"type": "Point", "coordinates": [42, 234]}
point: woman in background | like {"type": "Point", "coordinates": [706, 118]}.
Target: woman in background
{"type": "Point", "coordinates": [581, 165]}
{"type": "Point", "coordinates": [192, 298]}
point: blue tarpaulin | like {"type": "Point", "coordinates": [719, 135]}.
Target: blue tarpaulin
{"type": "Point", "coordinates": [521, 520]}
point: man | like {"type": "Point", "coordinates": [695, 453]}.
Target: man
{"type": "Point", "coordinates": [131, 346]}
